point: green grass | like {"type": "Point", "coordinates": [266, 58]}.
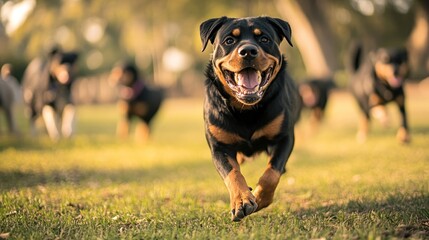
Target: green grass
{"type": "Point", "coordinates": [95, 186]}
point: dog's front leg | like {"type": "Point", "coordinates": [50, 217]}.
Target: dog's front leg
{"type": "Point", "coordinates": [267, 184]}
{"type": "Point", "coordinates": [403, 134]}
{"type": "Point", "coordinates": [122, 127]}
{"type": "Point", "coordinates": [68, 119]}
{"type": "Point", "coordinates": [242, 201]}
{"type": "Point", "coordinates": [50, 118]}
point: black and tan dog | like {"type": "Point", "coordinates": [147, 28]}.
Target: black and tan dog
{"type": "Point", "coordinates": [251, 104]}
{"type": "Point", "coordinates": [315, 93]}
{"type": "Point", "coordinates": [377, 81]}
{"type": "Point", "coordinates": [47, 87]}
{"type": "Point", "coordinates": [136, 99]}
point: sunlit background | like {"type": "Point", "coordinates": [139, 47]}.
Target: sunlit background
{"type": "Point", "coordinates": [95, 185]}
{"type": "Point", "coordinates": [162, 36]}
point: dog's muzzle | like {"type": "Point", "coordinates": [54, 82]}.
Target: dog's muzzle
{"type": "Point", "coordinates": [248, 84]}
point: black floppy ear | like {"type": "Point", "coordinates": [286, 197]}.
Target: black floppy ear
{"type": "Point", "coordinates": [282, 27]}
{"type": "Point", "coordinates": [209, 28]}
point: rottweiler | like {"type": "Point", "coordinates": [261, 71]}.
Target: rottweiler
{"type": "Point", "coordinates": [136, 99]}
{"type": "Point", "coordinates": [47, 87]}
{"type": "Point", "coordinates": [251, 104]}
{"type": "Point", "coordinates": [378, 79]}
{"type": "Point", "coordinates": [314, 93]}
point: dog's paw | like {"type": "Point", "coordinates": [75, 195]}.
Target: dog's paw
{"type": "Point", "coordinates": [403, 135]}
{"type": "Point", "coordinates": [361, 137]}
{"type": "Point", "coordinates": [243, 206]}
{"type": "Point", "coordinates": [264, 191]}
{"type": "Point", "coordinates": [263, 198]}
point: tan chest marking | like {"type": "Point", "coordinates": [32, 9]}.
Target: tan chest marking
{"type": "Point", "coordinates": [224, 136]}
{"type": "Point", "coordinates": [270, 130]}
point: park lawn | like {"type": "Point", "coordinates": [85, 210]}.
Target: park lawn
{"type": "Point", "coordinates": [96, 186]}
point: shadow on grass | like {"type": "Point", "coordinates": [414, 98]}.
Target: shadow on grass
{"type": "Point", "coordinates": [26, 143]}
{"type": "Point", "coordinates": [75, 176]}
{"type": "Point", "coordinates": [23, 143]}
{"type": "Point", "coordinates": [399, 215]}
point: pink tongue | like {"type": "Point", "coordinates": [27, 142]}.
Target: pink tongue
{"type": "Point", "coordinates": [395, 82]}
{"type": "Point", "coordinates": [248, 78]}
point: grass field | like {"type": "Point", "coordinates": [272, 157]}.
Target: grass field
{"type": "Point", "coordinates": [95, 186]}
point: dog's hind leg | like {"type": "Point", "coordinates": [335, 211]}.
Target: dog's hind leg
{"type": "Point", "coordinates": [241, 158]}
{"type": "Point", "coordinates": [68, 118]}
{"type": "Point", "coordinates": [403, 134]}
{"type": "Point", "coordinates": [49, 117]}
{"type": "Point", "coordinates": [142, 132]}
{"type": "Point", "coordinates": [30, 112]}
{"type": "Point", "coordinates": [363, 128]}
{"type": "Point", "coordinates": [122, 127]}
{"type": "Point", "coordinates": [10, 120]}
{"type": "Point", "coordinates": [379, 112]}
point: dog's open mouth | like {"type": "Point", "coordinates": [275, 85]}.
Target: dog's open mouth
{"type": "Point", "coordinates": [395, 81]}
{"type": "Point", "coordinates": [248, 84]}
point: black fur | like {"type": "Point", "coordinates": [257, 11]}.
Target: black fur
{"type": "Point", "coordinates": [371, 89]}
{"type": "Point", "coordinates": [280, 96]}
{"type": "Point", "coordinates": [315, 94]}
{"type": "Point", "coordinates": [47, 82]}
{"type": "Point", "coordinates": [239, 119]}
{"type": "Point", "coordinates": [143, 100]}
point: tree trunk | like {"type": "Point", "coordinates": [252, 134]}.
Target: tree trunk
{"type": "Point", "coordinates": [3, 40]}
{"type": "Point", "coordinates": [312, 35]}
{"type": "Point", "coordinates": [418, 42]}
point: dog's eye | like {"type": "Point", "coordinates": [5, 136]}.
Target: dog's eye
{"type": "Point", "coordinates": [264, 40]}
{"type": "Point", "coordinates": [229, 41]}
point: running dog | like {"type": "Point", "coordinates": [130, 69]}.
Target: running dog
{"type": "Point", "coordinates": [315, 94]}
{"type": "Point", "coordinates": [47, 92]}
{"type": "Point", "coordinates": [251, 104]}
{"type": "Point", "coordinates": [379, 80]}
{"type": "Point", "coordinates": [136, 99]}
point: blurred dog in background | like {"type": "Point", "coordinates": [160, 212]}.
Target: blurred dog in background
{"type": "Point", "coordinates": [47, 92]}
{"type": "Point", "coordinates": [136, 99]}
{"type": "Point", "coordinates": [377, 80]}
{"type": "Point", "coordinates": [315, 94]}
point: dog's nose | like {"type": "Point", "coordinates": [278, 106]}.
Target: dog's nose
{"type": "Point", "coordinates": [248, 51]}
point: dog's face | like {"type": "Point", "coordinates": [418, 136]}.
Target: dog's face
{"type": "Point", "coordinates": [124, 75]}
{"type": "Point", "coordinates": [391, 66]}
{"type": "Point", "coordinates": [63, 66]}
{"type": "Point", "coordinates": [246, 56]}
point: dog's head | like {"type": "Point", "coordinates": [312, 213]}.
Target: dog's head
{"type": "Point", "coordinates": [391, 66]}
{"type": "Point", "coordinates": [124, 74]}
{"type": "Point", "coordinates": [246, 56]}
{"type": "Point", "coordinates": [63, 66]}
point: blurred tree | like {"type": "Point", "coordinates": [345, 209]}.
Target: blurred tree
{"type": "Point", "coordinates": [325, 30]}
{"type": "Point", "coordinates": [3, 39]}
{"type": "Point", "coordinates": [313, 35]}
{"type": "Point", "coordinates": [106, 31]}
{"type": "Point", "coordinates": [418, 41]}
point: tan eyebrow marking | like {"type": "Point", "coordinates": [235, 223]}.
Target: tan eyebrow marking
{"type": "Point", "coordinates": [257, 31]}
{"type": "Point", "coordinates": [236, 32]}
